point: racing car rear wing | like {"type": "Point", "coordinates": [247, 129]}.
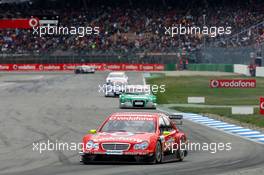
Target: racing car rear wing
{"type": "Point", "coordinates": [176, 118]}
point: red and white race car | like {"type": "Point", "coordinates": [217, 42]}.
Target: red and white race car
{"type": "Point", "coordinates": [135, 136]}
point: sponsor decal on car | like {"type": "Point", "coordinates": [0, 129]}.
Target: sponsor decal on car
{"type": "Point", "coordinates": [132, 118]}
{"type": "Point", "coordinates": [261, 105]}
{"type": "Point", "coordinates": [233, 83]}
{"type": "Point", "coordinates": [139, 103]}
{"type": "Point", "coordinates": [114, 152]}
{"type": "Point", "coordinates": [122, 134]}
{"type": "Point", "coordinates": [117, 139]}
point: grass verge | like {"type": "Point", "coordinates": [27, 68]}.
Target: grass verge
{"type": "Point", "coordinates": [178, 89]}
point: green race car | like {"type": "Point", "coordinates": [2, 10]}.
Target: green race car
{"type": "Point", "coordinates": [138, 96]}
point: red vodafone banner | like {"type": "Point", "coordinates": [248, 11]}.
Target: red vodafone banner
{"type": "Point", "coordinates": [235, 83]}
{"type": "Point", "coordinates": [19, 23]}
{"type": "Point", "coordinates": [71, 67]}
{"type": "Point", "coordinates": [261, 105]}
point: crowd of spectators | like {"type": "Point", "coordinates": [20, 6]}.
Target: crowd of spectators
{"type": "Point", "coordinates": [135, 29]}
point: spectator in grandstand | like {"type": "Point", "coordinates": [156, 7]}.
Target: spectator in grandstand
{"type": "Point", "coordinates": [130, 29]}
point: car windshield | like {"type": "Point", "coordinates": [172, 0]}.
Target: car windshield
{"type": "Point", "coordinates": [134, 126]}
{"type": "Point", "coordinates": [116, 75]}
{"type": "Point", "coordinates": [116, 83]}
{"type": "Point", "coordinates": [137, 91]}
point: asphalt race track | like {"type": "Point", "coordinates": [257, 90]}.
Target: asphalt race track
{"type": "Point", "coordinates": [41, 107]}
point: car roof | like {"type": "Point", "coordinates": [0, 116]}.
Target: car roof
{"type": "Point", "coordinates": [116, 73]}
{"type": "Point", "coordinates": [136, 114]}
{"type": "Point", "coordinates": [138, 86]}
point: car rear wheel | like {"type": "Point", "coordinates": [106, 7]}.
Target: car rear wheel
{"type": "Point", "coordinates": [181, 153]}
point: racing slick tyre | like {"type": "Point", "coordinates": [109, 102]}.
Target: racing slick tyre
{"type": "Point", "coordinates": [155, 159]}
{"type": "Point", "coordinates": [181, 153]}
{"type": "Point", "coordinates": [158, 153]}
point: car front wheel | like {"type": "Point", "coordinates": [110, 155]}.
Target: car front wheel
{"type": "Point", "coordinates": [158, 153]}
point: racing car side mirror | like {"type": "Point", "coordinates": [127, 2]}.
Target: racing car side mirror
{"type": "Point", "coordinates": [92, 131]}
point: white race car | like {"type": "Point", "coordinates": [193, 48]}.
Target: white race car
{"type": "Point", "coordinates": [84, 69]}
{"type": "Point", "coordinates": [117, 77]}
{"type": "Point", "coordinates": [114, 88]}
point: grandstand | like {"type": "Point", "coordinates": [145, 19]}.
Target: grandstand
{"type": "Point", "coordinates": [133, 31]}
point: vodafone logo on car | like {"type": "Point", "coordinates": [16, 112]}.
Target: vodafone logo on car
{"type": "Point", "coordinates": [236, 83]}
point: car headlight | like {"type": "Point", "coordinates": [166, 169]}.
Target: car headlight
{"type": "Point", "coordinates": [89, 144]}
{"type": "Point", "coordinates": [127, 100]}
{"type": "Point", "coordinates": [141, 146]}
{"type": "Point", "coordinates": [96, 146]}
{"type": "Point", "coordinates": [124, 99]}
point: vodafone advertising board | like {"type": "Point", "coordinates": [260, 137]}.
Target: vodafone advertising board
{"type": "Point", "coordinates": [261, 105]}
{"type": "Point", "coordinates": [235, 83]}
{"type": "Point", "coordinates": [71, 67]}
{"type": "Point", "coordinates": [19, 23]}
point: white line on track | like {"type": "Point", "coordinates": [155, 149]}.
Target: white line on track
{"type": "Point", "coordinates": [249, 133]}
